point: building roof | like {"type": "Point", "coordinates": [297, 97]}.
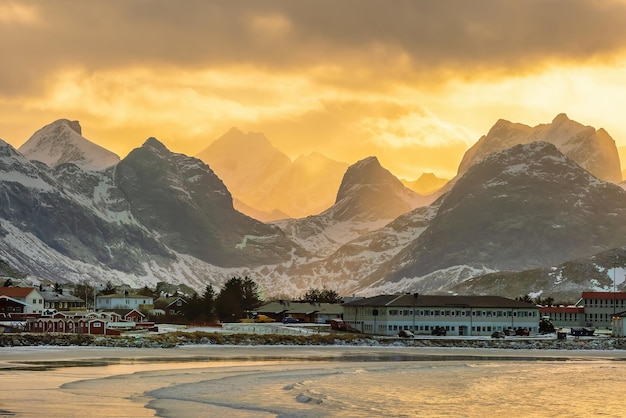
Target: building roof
{"type": "Point", "coordinates": [122, 312]}
{"type": "Point", "coordinates": [122, 296]}
{"type": "Point", "coordinates": [50, 295]}
{"type": "Point", "coordinates": [441, 301]}
{"type": "Point", "coordinates": [604, 295]}
{"type": "Point", "coordinates": [562, 309]}
{"type": "Point", "coordinates": [163, 302]}
{"type": "Point", "coordinates": [307, 308]}
{"type": "Point", "coordinates": [9, 298]}
{"type": "Point", "coordinates": [16, 292]}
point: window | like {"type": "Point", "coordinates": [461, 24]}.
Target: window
{"type": "Point", "coordinates": [97, 325]}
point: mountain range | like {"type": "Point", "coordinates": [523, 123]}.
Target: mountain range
{"type": "Point", "coordinates": [524, 199]}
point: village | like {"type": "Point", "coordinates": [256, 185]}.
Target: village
{"type": "Point", "coordinates": [46, 309]}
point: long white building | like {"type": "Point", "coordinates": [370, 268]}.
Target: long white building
{"type": "Point", "coordinates": [421, 314]}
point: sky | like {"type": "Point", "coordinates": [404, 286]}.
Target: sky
{"type": "Point", "coordinates": [415, 83]}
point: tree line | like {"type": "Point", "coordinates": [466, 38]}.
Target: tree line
{"type": "Point", "coordinates": [236, 299]}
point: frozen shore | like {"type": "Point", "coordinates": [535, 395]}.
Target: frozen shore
{"type": "Point", "coordinates": [98, 351]}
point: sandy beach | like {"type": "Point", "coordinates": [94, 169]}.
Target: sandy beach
{"type": "Point", "coordinates": [259, 381]}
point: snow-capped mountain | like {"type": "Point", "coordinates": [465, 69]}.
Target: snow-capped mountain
{"type": "Point", "coordinates": [369, 197]}
{"type": "Point", "coordinates": [592, 149]}
{"type": "Point", "coordinates": [62, 142]}
{"type": "Point", "coordinates": [155, 216]}
{"type": "Point", "coordinates": [263, 178]}
{"type": "Point", "coordinates": [525, 207]}
{"type": "Point", "coordinates": [161, 216]}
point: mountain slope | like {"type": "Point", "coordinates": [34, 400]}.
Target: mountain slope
{"type": "Point", "coordinates": [194, 211]}
{"type": "Point", "coordinates": [565, 281]}
{"type": "Point", "coordinates": [62, 142]}
{"type": "Point", "coordinates": [155, 216]}
{"type": "Point", "coordinates": [527, 206]}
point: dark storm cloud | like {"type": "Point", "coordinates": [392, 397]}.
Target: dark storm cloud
{"type": "Point", "coordinates": [459, 36]}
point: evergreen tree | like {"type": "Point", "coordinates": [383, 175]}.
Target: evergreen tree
{"type": "Point", "coordinates": [236, 298]}
{"type": "Point", "coordinates": [321, 296]}
{"type": "Point", "coordinates": [208, 302]}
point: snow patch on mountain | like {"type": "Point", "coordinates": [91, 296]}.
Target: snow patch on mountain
{"type": "Point", "coordinates": [62, 142]}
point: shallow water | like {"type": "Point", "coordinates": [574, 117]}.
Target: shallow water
{"type": "Point", "coordinates": [300, 388]}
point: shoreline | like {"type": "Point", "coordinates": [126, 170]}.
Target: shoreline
{"type": "Point", "coordinates": [54, 357]}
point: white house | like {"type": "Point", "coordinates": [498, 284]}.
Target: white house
{"type": "Point", "coordinates": [119, 301]}
{"type": "Point", "coordinates": [30, 296]}
{"type": "Point", "coordinates": [422, 314]}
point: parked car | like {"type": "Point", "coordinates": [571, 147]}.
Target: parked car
{"type": "Point", "coordinates": [585, 331]}
{"type": "Point", "coordinates": [290, 320]}
{"type": "Point", "coordinates": [263, 318]}
{"type": "Point", "coordinates": [405, 333]}
{"type": "Point", "coordinates": [338, 324]}
{"type": "Point", "coordinates": [439, 331]}
{"type": "Point", "coordinates": [497, 334]}
{"type": "Point", "coordinates": [522, 331]}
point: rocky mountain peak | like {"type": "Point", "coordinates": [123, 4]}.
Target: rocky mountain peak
{"type": "Point", "coordinates": [366, 172]}
{"type": "Point", "coordinates": [156, 145]}
{"type": "Point", "coordinates": [523, 207]}
{"type": "Point", "coordinates": [62, 142]}
{"type": "Point", "coordinates": [592, 149]}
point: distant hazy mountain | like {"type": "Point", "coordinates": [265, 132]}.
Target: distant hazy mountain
{"type": "Point", "coordinates": [527, 206]}
{"type": "Point", "coordinates": [592, 149]}
{"type": "Point", "coordinates": [62, 142]}
{"type": "Point", "coordinates": [426, 184]}
{"type": "Point", "coordinates": [265, 180]}
{"type": "Point", "coordinates": [368, 198]}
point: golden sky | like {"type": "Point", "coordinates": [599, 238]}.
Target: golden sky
{"type": "Point", "coordinates": [414, 83]}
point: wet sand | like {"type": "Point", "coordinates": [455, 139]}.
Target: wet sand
{"type": "Point", "coordinates": [106, 382]}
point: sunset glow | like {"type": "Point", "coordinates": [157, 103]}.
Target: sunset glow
{"type": "Point", "coordinates": [414, 83]}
